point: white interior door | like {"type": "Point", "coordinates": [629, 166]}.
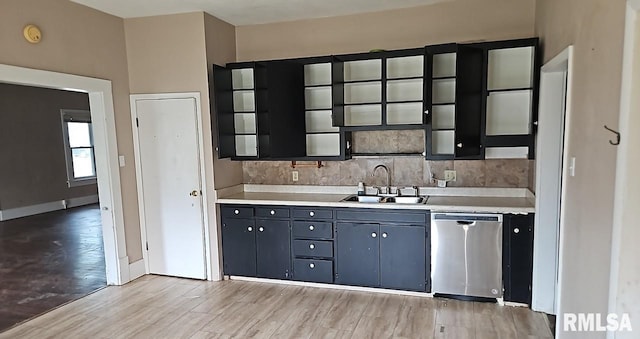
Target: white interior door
{"type": "Point", "coordinates": [171, 186]}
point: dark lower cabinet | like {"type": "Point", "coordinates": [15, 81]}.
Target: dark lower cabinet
{"type": "Point", "coordinates": [403, 257]}
{"type": "Point", "coordinates": [256, 248]}
{"type": "Point", "coordinates": [239, 247]}
{"type": "Point", "coordinates": [374, 255]}
{"type": "Point", "coordinates": [358, 254]}
{"type": "Point", "coordinates": [273, 249]}
{"type": "Point", "coordinates": [518, 257]}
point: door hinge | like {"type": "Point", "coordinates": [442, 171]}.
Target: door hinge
{"type": "Point", "coordinates": [137, 123]}
{"type": "Point", "coordinates": [147, 245]}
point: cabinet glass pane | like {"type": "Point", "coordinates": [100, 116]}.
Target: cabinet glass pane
{"type": "Point", "coordinates": [319, 121]}
{"type": "Point", "coordinates": [363, 70]}
{"type": "Point", "coordinates": [444, 91]}
{"type": "Point", "coordinates": [405, 90]}
{"type": "Point", "coordinates": [443, 142]}
{"type": "Point", "coordinates": [246, 146]}
{"type": "Point", "coordinates": [363, 92]}
{"type": "Point", "coordinates": [444, 117]}
{"type": "Point", "coordinates": [509, 113]}
{"type": "Point", "coordinates": [404, 113]}
{"type": "Point", "coordinates": [323, 144]}
{"type": "Point", "coordinates": [244, 123]}
{"type": "Point", "coordinates": [317, 74]}
{"type": "Point", "coordinates": [444, 65]}
{"type": "Point", "coordinates": [510, 68]}
{"type": "Point", "coordinates": [317, 98]}
{"type": "Point", "coordinates": [363, 115]}
{"type": "Point", "coordinates": [405, 67]}
{"type": "Point", "coordinates": [506, 153]}
{"type": "Point", "coordinates": [242, 78]}
{"type": "Point", "coordinates": [244, 101]}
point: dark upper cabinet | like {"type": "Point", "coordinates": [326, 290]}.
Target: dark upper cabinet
{"type": "Point", "coordinates": [518, 257]}
{"type": "Point", "coordinates": [481, 100]}
{"type": "Point", "coordinates": [259, 109]}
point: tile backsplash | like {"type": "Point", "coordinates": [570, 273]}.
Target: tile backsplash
{"type": "Point", "coordinates": [405, 171]}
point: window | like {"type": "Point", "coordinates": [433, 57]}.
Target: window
{"type": "Point", "coordinates": [78, 144]}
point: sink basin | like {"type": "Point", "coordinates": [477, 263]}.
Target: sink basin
{"type": "Point", "coordinates": [375, 199]}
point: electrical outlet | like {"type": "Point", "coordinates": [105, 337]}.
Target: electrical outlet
{"type": "Point", "coordinates": [294, 175]}
{"type": "Point", "coordinates": [449, 175]}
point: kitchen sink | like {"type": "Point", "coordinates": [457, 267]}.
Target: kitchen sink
{"type": "Point", "coordinates": [376, 199]}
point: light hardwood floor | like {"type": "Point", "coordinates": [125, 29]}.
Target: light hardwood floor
{"type": "Point", "coordinates": [162, 307]}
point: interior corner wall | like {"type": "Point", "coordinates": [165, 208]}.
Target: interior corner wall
{"type": "Point", "coordinates": [82, 41]}
{"type": "Point", "coordinates": [32, 150]}
{"type": "Point", "coordinates": [595, 28]}
{"type": "Point", "coordinates": [449, 21]}
{"type": "Point", "coordinates": [220, 40]}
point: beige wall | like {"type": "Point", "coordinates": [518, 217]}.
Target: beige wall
{"type": "Point", "coordinates": [595, 29]}
{"type": "Point", "coordinates": [78, 40]}
{"type": "Point", "coordinates": [458, 21]}
{"type": "Point", "coordinates": [34, 169]}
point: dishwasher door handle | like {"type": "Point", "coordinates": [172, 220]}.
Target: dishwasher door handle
{"type": "Point", "coordinates": [466, 223]}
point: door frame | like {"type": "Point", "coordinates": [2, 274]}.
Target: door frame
{"type": "Point", "coordinates": [106, 156]}
{"type": "Point", "coordinates": [547, 275]}
{"type": "Point", "coordinates": [203, 180]}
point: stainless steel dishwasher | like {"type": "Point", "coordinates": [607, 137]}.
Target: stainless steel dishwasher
{"type": "Point", "coordinates": [466, 254]}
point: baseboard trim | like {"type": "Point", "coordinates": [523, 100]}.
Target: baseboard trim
{"type": "Point", "coordinates": [25, 211]}
{"type": "Point", "coordinates": [137, 269]}
{"type": "Point", "coordinates": [19, 212]}
{"type": "Point", "coordinates": [81, 201]}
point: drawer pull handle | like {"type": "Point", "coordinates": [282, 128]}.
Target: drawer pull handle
{"type": "Point", "coordinates": [516, 230]}
{"type": "Point", "coordinates": [261, 229]}
{"type": "Point", "coordinates": [373, 235]}
{"type": "Point", "coordinates": [312, 213]}
{"type": "Point", "coordinates": [273, 212]}
{"type": "Point", "coordinates": [236, 212]}
{"type": "Point", "coordinates": [312, 265]}
{"type": "Point", "coordinates": [311, 228]}
{"type": "Point", "coordinates": [312, 246]}
{"type": "Point", "coordinates": [249, 228]}
{"type": "Point", "coordinates": [384, 235]}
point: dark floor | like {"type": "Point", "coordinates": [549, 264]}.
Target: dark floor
{"type": "Point", "coordinates": [47, 260]}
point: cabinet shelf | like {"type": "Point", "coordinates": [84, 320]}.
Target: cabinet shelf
{"type": "Point", "coordinates": [509, 90]}
{"type": "Point", "coordinates": [448, 77]}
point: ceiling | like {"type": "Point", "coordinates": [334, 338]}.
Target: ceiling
{"type": "Point", "coordinates": [248, 12]}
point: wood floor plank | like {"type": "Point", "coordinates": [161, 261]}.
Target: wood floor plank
{"type": "Point", "coordinates": [180, 308]}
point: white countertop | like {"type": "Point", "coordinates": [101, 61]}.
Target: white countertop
{"type": "Point", "coordinates": [482, 200]}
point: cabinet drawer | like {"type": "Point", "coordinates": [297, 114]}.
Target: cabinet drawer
{"type": "Point", "coordinates": [313, 270]}
{"type": "Point", "coordinates": [312, 213]}
{"type": "Point", "coordinates": [313, 229]}
{"type": "Point", "coordinates": [272, 212]}
{"type": "Point", "coordinates": [236, 212]}
{"type": "Point", "coordinates": [399, 216]}
{"type": "Point", "coordinates": [313, 248]}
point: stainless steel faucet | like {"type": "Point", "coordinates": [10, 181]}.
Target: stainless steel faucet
{"type": "Point", "coordinates": [388, 176]}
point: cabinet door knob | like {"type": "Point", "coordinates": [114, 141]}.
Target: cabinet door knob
{"type": "Point", "coordinates": [373, 235]}
{"type": "Point", "coordinates": [459, 145]}
{"type": "Point", "coordinates": [261, 229]}
{"type": "Point", "coordinates": [312, 213]}
{"type": "Point", "coordinates": [311, 228]}
{"type": "Point", "coordinates": [273, 212]}
{"type": "Point", "coordinates": [516, 230]}
{"type": "Point", "coordinates": [426, 112]}
{"type": "Point", "coordinates": [384, 235]}
{"type": "Point", "coordinates": [312, 265]}
{"type": "Point", "coordinates": [312, 246]}
{"type": "Point", "coordinates": [249, 228]}
{"type": "Point", "coordinates": [236, 212]}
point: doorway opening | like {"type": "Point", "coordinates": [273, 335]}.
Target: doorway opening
{"type": "Point", "coordinates": [51, 248]}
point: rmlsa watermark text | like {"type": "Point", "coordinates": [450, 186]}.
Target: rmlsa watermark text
{"type": "Point", "coordinates": [596, 322]}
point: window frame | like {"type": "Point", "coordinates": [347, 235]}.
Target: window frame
{"type": "Point", "coordinates": [76, 115]}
